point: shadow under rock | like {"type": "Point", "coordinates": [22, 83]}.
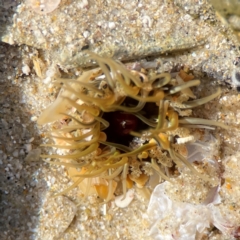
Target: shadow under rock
{"type": "Point", "coordinates": [7, 10]}
{"type": "Point", "coordinates": [21, 186]}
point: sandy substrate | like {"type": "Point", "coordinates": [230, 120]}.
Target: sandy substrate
{"type": "Point", "coordinates": [27, 210]}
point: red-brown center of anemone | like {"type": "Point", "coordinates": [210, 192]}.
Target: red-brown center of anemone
{"type": "Point", "coordinates": [123, 123]}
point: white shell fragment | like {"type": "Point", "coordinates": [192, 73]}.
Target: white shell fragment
{"type": "Point", "coordinates": [178, 220]}
{"type": "Point", "coordinates": [122, 202]}
{"type": "Point", "coordinates": [183, 140]}
{"type": "Point", "coordinates": [43, 6]}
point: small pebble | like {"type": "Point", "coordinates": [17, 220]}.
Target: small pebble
{"type": "Point", "coordinates": [34, 118]}
{"type": "Point", "coordinates": [28, 147]}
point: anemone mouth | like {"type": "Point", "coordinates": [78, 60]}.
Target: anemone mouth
{"type": "Point", "coordinates": [122, 125]}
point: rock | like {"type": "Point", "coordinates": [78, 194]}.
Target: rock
{"type": "Point", "coordinates": [179, 32]}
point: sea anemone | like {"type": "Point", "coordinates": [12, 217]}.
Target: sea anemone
{"type": "Point", "coordinates": [117, 125]}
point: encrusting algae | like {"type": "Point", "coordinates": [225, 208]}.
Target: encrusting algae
{"type": "Point", "coordinates": [120, 125]}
